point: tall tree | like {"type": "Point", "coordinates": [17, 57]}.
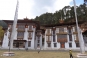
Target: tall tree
{"type": "Point", "coordinates": [1, 34]}
{"type": "Point", "coordinates": [85, 1]}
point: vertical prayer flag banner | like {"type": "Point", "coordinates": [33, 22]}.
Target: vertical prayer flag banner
{"type": "Point", "coordinates": [14, 25]}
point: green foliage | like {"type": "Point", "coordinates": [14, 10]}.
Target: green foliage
{"type": "Point", "coordinates": [3, 24]}
{"type": "Point", "coordinates": [53, 18]}
{"type": "Point", "coordinates": [1, 32]}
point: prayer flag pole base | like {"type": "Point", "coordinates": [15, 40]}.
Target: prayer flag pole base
{"type": "Point", "coordinates": [81, 55]}
{"type": "Point", "coordinates": [8, 54]}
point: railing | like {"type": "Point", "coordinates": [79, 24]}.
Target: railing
{"type": "Point", "coordinates": [20, 38]}
{"type": "Point", "coordinates": [48, 41]}
{"type": "Point", "coordinates": [62, 40]}
{"type": "Point", "coordinates": [29, 38]}
{"type": "Point", "coordinates": [62, 33]}
{"type": "Point", "coordinates": [75, 32]}
{"type": "Point", "coordinates": [19, 29]}
{"type": "Point", "coordinates": [30, 30]}
{"type": "Point", "coordinates": [48, 34]}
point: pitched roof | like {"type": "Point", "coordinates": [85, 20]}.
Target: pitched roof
{"type": "Point", "coordinates": [63, 24]}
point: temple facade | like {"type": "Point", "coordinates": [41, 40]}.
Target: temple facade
{"type": "Point", "coordinates": [64, 36]}
{"type": "Point", "coordinates": [26, 34]}
{"type": "Point", "coordinates": [30, 34]}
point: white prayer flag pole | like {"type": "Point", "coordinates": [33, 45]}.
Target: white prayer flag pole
{"type": "Point", "coordinates": [81, 42]}
{"type": "Point", "coordinates": [14, 25]}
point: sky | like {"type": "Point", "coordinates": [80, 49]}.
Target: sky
{"type": "Point", "coordinates": [32, 8]}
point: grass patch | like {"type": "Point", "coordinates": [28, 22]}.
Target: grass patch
{"type": "Point", "coordinates": [35, 54]}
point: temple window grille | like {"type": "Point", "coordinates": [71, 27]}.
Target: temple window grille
{"type": "Point", "coordinates": [61, 36]}
{"type": "Point", "coordinates": [69, 31]}
{"type": "Point", "coordinates": [30, 27]}
{"type": "Point", "coordinates": [21, 27]}
{"type": "Point", "coordinates": [29, 43]}
{"type": "Point", "coordinates": [61, 29]}
{"type": "Point", "coordinates": [55, 44]}
{"type": "Point", "coordinates": [30, 34]}
{"type": "Point", "coordinates": [70, 44]}
{"type": "Point", "coordinates": [48, 31]}
{"type": "Point", "coordinates": [20, 34]}
{"type": "Point", "coordinates": [77, 44]}
{"type": "Point", "coordinates": [70, 37]}
{"type": "Point", "coordinates": [54, 36]}
{"type": "Point", "coordinates": [49, 44]}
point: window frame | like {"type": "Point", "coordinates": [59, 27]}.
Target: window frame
{"type": "Point", "coordinates": [29, 43]}
{"type": "Point", "coordinates": [55, 44]}
{"type": "Point", "coordinates": [70, 45]}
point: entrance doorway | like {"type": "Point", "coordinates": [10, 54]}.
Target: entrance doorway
{"type": "Point", "coordinates": [62, 45]}
{"type": "Point", "coordinates": [19, 44]}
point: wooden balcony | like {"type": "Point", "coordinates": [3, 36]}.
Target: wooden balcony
{"type": "Point", "coordinates": [62, 33]}
{"type": "Point", "coordinates": [29, 38]}
{"type": "Point", "coordinates": [30, 30]}
{"type": "Point", "coordinates": [20, 38]}
{"type": "Point", "coordinates": [62, 40]}
{"type": "Point", "coordinates": [76, 40]}
{"type": "Point", "coordinates": [48, 34]}
{"type": "Point", "coordinates": [21, 30]}
{"type": "Point", "coordinates": [75, 32]}
{"type": "Point", "coordinates": [38, 35]}
{"type": "Point", "coordinates": [49, 41]}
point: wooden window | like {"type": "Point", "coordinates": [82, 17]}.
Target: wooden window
{"type": "Point", "coordinates": [30, 34]}
{"type": "Point", "coordinates": [38, 33]}
{"type": "Point", "coordinates": [14, 44]}
{"type": "Point", "coordinates": [38, 38]}
{"type": "Point", "coordinates": [77, 44]}
{"type": "Point", "coordinates": [54, 36]}
{"type": "Point", "coordinates": [65, 29]}
{"type": "Point", "coordinates": [30, 27]}
{"type": "Point", "coordinates": [74, 37]}
{"type": "Point", "coordinates": [48, 38]}
{"type": "Point", "coordinates": [70, 44]}
{"type": "Point", "coordinates": [62, 36]}
{"type": "Point", "coordinates": [49, 44]}
{"type": "Point", "coordinates": [57, 30]}
{"type": "Point", "coordinates": [69, 30]}
{"type": "Point", "coordinates": [38, 41]}
{"type": "Point", "coordinates": [70, 37]}
{"type": "Point", "coordinates": [21, 27]}
{"type": "Point", "coordinates": [38, 44]}
{"type": "Point", "coordinates": [48, 31]}
{"type": "Point", "coordinates": [20, 34]}
{"type": "Point", "coordinates": [20, 43]}
{"type": "Point", "coordinates": [29, 43]}
{"type": "Point", "coordinates": [61, 29]}
{"type": "Point", "coordinates": [73, 29]}
{"type": "Point", "coordinates": [17, 44]}
{"type": "Point", "coordinates": [55, 44]}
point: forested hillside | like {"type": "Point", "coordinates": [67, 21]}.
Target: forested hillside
{"type": "Point", "coordinates": [67, 14]}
